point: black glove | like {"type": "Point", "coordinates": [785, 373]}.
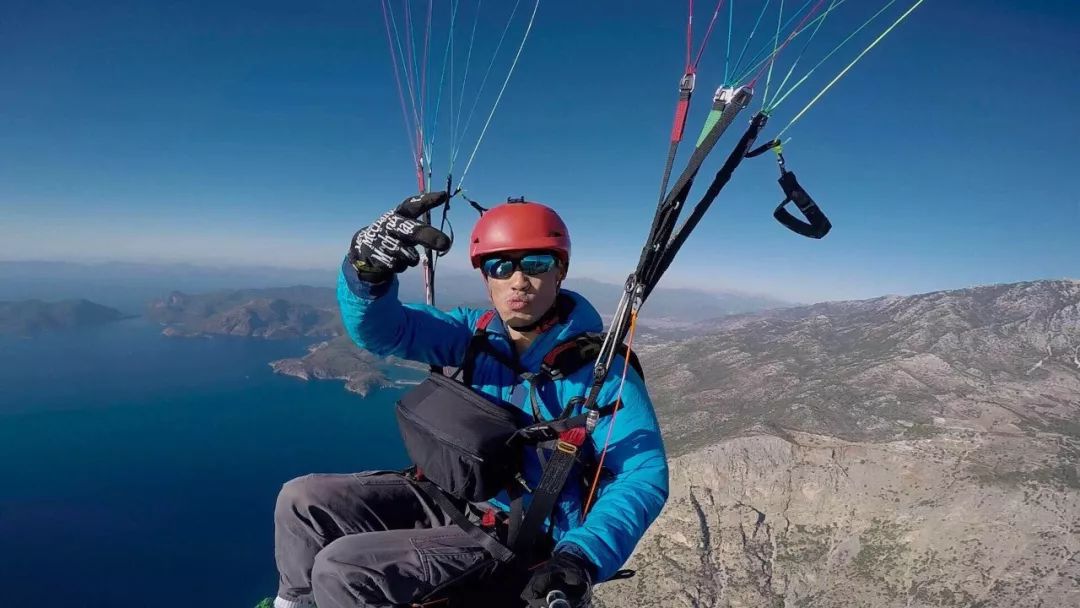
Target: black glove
{"type": "Point", "coordinates": [388, 245]}
{"type": "Point", "coordinates": [566, 571]}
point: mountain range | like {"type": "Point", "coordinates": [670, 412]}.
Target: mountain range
{"type": "Point", "coordinates": [899, 451]}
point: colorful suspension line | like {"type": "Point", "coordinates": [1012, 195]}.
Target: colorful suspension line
{"type": "Point", "coordinates": [665, 241]}
{"type": "Point", "coordinates": [817, 27]}
{"type": "Point", "coordinates": [779, 49]}
{"type": "Point", "coordinates": [506, 81]}
{"type": "Point", "coordinates": [764, 54]}
{"type": "Point", "coordinates": [409, 131]}
{"type": "Point", "coordinates": [456, 147]}
{"type": "Point", "coordinates": [686, 90]}
{"type": "Point", "coordinates": [847, 68]}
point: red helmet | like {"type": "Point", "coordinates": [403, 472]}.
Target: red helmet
{"type": "Point", "coordinates": [517, 225]}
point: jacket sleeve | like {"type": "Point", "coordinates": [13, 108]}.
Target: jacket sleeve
{"type": "Point", "coordinates": [377, 321]}
{"type": "Point", "coordinates": [627, 504]}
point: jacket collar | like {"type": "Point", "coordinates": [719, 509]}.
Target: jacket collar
{"type": "Point", "coordinates": [574, 315]}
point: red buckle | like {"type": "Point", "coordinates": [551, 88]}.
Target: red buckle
{"type": "Point", "coordinates": [488, 520]}
{"type": "Point", "coordinates": [574, 437]}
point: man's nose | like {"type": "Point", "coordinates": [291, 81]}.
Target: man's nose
{"type": "Point", "coordinates": [518, 280]}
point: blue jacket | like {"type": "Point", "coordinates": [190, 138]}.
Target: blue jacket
{"type": "Point", "coordinates": [628, 500]}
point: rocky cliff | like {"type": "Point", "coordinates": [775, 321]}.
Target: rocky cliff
{"type": "Point", "coordinates": [901, 451]}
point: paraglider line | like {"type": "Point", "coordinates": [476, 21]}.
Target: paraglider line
{"type": "Point", "coordinates": [465, 80]}
{"type": "Point", "coordinates": [727, 53]}
{"type": "Point", "coordinates": [746, 44]}
{"type": "Point", "coordinates": [776, 102]}
{"type": "Point", "coordinates": [513, 65]}
{"type": "Point", "coordinates": [708, 33]}
{"type": "Point", "coordinates": [415, 125]}
{"type": "Point", "coordinates": [849, 66]}
{"type": "Point", "coordinates": [614, 415]}
{"type": "Point", "coordinates": [765, 53]}
{"type": "Point", "coordinates": [768, 80]}
{"type": "Point", "coordinates": [483, 83]}
{"type": "Point", "coordinates": [397, 79]}
{"type": "Point", "coordinates": [790, 37]}
{"type": "Point", "coordinates": [802, 52]}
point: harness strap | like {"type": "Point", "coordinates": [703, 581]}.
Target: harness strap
{"type": "Point", "coordinates": [547, 493]}
{"type": "Point", "coordinates": [563, 435]}
{"type": "Point", "coordinates": [485, 540]}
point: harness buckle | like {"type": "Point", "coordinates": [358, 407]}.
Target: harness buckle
{"type": "Point", "coordinates": [566, 447]}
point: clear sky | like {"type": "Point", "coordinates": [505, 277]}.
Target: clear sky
{"type": "Point", "coordinates": [267, 132]}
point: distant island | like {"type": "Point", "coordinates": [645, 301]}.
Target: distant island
{"type": "Point", "coordinates": [312, 312]}
{"type": "Point", "coordinates": [276, 313]}
{"type": "Point", "coordinates": [32, 317]}
{"type": "Point", "coordinates": [341, 359]}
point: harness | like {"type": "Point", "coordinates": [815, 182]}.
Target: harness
{"type": "Point", "coordinates": [563, 436]}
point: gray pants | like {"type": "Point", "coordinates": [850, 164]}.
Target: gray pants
{"type": "Point", "coordinates": [367, 540]}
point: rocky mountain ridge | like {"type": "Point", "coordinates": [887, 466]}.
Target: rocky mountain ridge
{"type": "Point", "coordinates": [900, 451]}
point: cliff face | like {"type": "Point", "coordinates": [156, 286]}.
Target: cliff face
{"type": "Point", "coordinates": [914, 451]}
{"type": "Point", "coordinates": [807, 520]}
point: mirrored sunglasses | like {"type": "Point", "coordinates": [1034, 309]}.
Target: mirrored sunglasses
{"type": "Point", "coordinates": [534, 264]}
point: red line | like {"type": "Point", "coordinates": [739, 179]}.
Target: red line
{"type": "Point", "coordinates": [708, 33]}
{"type": "Point", "coordinates": [397, 77]}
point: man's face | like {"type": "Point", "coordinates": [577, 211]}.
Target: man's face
{"type": "Point", "coordinates": [522, 298]}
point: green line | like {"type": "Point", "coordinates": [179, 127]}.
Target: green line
{"type": "Point", "coordinates": [795, 34]}
{"type": "Point", "coordinates": [849, 66]}
{"type": "Point", "coordinates": [765, 48]}
{"type": "Point", "coordinates": [776, 102]}
{"type": "Point", "coordinates": [795, 63]}
{"type": "Point", "coordinates": [776, 46]}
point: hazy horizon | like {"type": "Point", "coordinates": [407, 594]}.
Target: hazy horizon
{"type": "Point", "coordinates": [267, 133]}
{"type": "Point", "coordinates": [266, 276]}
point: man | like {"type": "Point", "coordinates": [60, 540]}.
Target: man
{"type": "Point", "coordinates": [373, 539]}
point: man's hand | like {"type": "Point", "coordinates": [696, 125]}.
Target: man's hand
{"type": "Point", "coordinates": [567, 571]}
{"type": "Point", "coordinates": [388, 245]}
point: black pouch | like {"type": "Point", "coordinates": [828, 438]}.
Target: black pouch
{"type": "Point", "coordinates": [458, 438]}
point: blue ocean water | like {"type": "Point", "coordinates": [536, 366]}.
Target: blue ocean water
{"type": "Point", "coordinates": [141, 471]}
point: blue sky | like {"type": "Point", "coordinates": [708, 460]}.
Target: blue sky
{"type": "Point", "coordinates": [267, 132]}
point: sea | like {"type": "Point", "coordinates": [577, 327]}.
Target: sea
{"type": "Point", "coordinates": [138, 470]}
